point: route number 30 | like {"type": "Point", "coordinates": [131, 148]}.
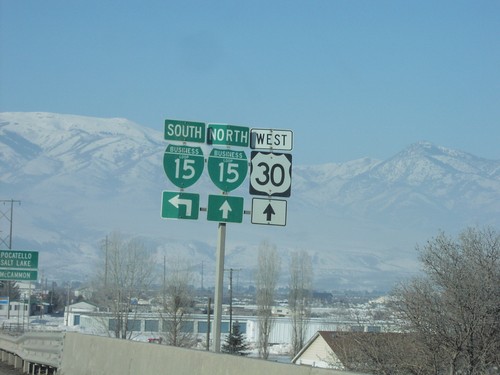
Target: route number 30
{"type": "Point", "coordinates": [270, 174]}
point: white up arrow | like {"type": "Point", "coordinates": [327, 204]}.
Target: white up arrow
{"type": "Point", "coordinates": [176, 202]}
{"type": "Point", "coordinates": [225, 208]}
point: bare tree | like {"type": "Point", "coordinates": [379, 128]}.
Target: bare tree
{"type": "Point", "coordinates": [300, 286]}
{"type": "Point", "coordinates": [266, 281]}
{"type": "Point", "coordinates": [455, 307]}
{"type": "Point", "coordinates": [177, 302]}
{"type": "Point", "coordinates": [125, 274]}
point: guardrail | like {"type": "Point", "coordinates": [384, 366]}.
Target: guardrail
{"type": "Point", "coordinates": [33, 352]}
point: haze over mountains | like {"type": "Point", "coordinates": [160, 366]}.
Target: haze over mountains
{"type": "Point", "coordinates": [79, 178]}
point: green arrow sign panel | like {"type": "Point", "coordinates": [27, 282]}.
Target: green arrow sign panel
{"type": "Point", "coordinates": [183, 165]}
{"type": "Point", "coordinates": [19, 259]}
{"type": "Point", "coordinates": [223, 208]}
{"type": "Point", "coordinates": [186, 131]}
{"type": "Point", "coordinates": [176, 205]}
{"type": "Point", "coordinates": [227, 168]}
{"type": "Point", "coordinates": [229, 135]}
{"type": "Point", "coordinates": [19, 275]}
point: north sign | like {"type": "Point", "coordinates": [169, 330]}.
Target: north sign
{"type": "Point", "coordinates": [185, 131]}
{"type": "Point", "coordinates": [229, 135]}
{"type": "Point", "coordinates": [19, 259]}
{"type": "Point", "coordinates": [177, 205]}
{"type": "Point", "coordinates": [269, 211]}
{"type": "Point", "coordinates": [223, 208]}
{"type": "Point", "coordinates": [270, 174]}
{"type": "Point", "coordinates": [183, 165]}
{"type": "Point", "coordinates": [271, 139]}
{"type": "Point", "coordinates": [227, 168]}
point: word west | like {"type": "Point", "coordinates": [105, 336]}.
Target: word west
{"type": "Point", "coordinates": [272, 139]}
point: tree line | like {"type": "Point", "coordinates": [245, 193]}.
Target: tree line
{"type": "Point", "coordinates": [448, 316]}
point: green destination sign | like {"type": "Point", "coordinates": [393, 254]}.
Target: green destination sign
{"type": "Point", "coordinates": [228, 135]}
{"type": "Point", "coordinates": [185, 131]}
{"type": "Point", "coordinates": [19, 275]}
{"type": "Point", "coordinates": [18, 259]}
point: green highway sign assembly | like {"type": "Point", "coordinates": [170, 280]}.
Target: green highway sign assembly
{"type": "Point", "coordinates": [19, 265]}
{"type": "Point", "coordinates": [270, 172]}
{"type": "Point", "coordinates": [270, 175]}
{"type": "Point", "coordinates": [227, 168]}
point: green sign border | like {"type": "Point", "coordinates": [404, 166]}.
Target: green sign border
{"type": "Point", "coordinates": [228, 128]}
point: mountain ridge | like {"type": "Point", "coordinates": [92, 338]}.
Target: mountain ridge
{"type": "Point", "coordinates": [81, 177]}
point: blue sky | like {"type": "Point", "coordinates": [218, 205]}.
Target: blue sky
{"type": "Point", "coordinates": [350, 78]}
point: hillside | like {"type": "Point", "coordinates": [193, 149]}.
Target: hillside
{"type": "Point", "coordinates": [79, 178]}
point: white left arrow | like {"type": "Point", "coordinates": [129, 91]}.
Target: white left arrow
{"type": "Point", "coordinates": [177, 201]}
{"type": "Point", "coordinates": [225, 208]}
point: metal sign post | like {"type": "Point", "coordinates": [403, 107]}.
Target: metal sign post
{"type": "Point", "coordinates": [219, 280]}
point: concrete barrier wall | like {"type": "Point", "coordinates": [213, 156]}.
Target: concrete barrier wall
{"type": "Point", "coordinates": [85, 354]}
{"type": "Point", "coordinates": [35, 347]}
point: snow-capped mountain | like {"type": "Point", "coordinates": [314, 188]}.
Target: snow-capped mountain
{"type": "Point", "coordinates": [79, 178]}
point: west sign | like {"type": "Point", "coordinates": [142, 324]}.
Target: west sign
{"type": "Point", "coordinates": [271, 139]}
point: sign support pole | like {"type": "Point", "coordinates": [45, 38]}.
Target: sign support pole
{"type": "Point", "coordinates": [219, 278]}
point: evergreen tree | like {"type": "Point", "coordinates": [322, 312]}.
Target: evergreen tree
{"type": "Point", "coordinates": [235, 342]}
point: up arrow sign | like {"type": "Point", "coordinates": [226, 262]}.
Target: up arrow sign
{"type": "Point", "coordinates": [269, 211]}
{"type": "Point", "coordinates": [225, 208]}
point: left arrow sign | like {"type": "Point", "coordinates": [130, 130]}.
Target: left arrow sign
{"type": "Point", "coordinates": [176, 205]}
{"type": "Point", "coordinates": [177, 201]}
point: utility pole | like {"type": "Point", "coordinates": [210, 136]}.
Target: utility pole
{"type": "Point", "coordinates": [7, 241]}
{"type": "Point", "coordinates": [231, 298]}
{"type": "Point", "coordinates": [8, 214]}
{"type": "Point", "coordinates": [106, 263]}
